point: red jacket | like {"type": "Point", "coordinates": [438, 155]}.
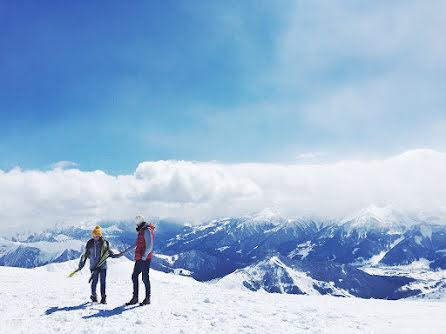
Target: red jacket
{"type": "Point", "coordinates": [141, 243]}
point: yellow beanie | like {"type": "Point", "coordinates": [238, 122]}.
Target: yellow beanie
{"type": "Point", "coordinates": [97, 231]}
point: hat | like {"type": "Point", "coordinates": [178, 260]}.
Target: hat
{"type": "Point", "coordinates": [139, 219]}
{"type": "Point", "coordinates": [97, 231]}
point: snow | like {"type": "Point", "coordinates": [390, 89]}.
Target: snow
{"type": "Point", "coordinates": [49, 250]}
{"type": "Point", "coordinates": [55, 247]}
{"type": "Point", "coordinates": [5, 244]}
{"type": "Point", "coordinates": [113, 229]}
{"type": "Point", "coordinates": [303, 250]}
{"type": "Point", "coordinates": [381, 217]}
{"type": "Point", "coordinates": [267, 214]}
{"type": "Point", "coordinates": [374, 260]}
{"type": "Point", "coordinates": [305, 283]}
{"type": "Point", "coordinates": [426, 231]}
{"type": "Point", "coordinates": [44, 300]}
{"type": "Point", "coordinates": [181, 271]}
{"type": "Point", "coordinates": [62, 237]}
{"type": "Point", "coordinates": [418, 240]}
{"type": "Point", "coordinates": [431, 283]}
{"type": "Point", "coordinates": [169, 258]}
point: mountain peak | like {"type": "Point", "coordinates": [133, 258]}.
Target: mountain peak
{"type": "Point", "coordinates": [267, 214]}
{"type": "Point", "coordinates": [379, 217]}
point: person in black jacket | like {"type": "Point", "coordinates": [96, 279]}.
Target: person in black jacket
{"type": "Point", "coordinates": [95, 249]}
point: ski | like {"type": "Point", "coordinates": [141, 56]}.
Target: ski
{"type": "Point", "coordinates": [72, 274]}
{"type": "Point", "coordinates": [101, 261]}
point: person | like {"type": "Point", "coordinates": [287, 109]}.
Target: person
{"type": "Point", "coordinates": [143, 257]}
{"type": "Point", "coordinates": [95, 249]}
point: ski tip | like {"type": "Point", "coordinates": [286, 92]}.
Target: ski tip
{"type": "Point", "coordinates": [72, 274]}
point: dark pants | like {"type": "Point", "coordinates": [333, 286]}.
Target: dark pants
{"type": "Point", "coordinates": [102, 273]}
{"type": "Point", "coordinates": [141, 267]}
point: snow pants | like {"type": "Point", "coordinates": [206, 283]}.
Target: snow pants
{"type": "Point", "coordinates": [102, 273]}
{"type": "Point", "coordinates": [141, 267]}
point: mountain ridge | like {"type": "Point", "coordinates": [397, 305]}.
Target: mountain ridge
{"type": "Point", "coordinates": [219, 248]}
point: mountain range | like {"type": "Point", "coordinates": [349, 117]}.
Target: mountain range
{"type": "Point", "coordinates": [375, 253]}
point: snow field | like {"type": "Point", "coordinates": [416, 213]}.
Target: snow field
{"type": "Point", "coordinates": [44, 300]}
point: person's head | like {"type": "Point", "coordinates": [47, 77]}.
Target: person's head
{"type": "Point", "coordinates": [96, 233]}
{"type": "Point", "coordinates": [140, 222]}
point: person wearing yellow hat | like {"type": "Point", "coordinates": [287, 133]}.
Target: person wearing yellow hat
{"type": "Point", "coordinates": [95, 249]}
{"type": "Point", "coordinates": [96, 232]}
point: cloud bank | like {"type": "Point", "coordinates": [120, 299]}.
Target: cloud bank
{"type": "Point", "coordinates": [198, 191]}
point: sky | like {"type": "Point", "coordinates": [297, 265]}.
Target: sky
{"type": "Point", "coordinates": [103, 89]}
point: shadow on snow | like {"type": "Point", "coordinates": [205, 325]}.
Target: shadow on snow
{"type": "Point", "coordinates": [108, 313]}
{"type": "Point", "coordinates": [101, 313]}
{"type": "Point", "coordinates": [69, 308]}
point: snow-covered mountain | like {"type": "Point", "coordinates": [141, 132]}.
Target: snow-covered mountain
{"type": "Point", "coordinates": [283, 275]}
{"type": "Point", "coordinates": [380, 218]}
{"type": "Point", "coordinates": [67, 242]}
{"type": "Point", "coordinates": [333, 257]}
{"type": "Point", "coordinates": [273, 275]}
{"type": "Point", "coordinates": [44, 300]}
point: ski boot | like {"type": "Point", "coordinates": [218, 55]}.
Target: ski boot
{"type": "Point", "coordinates": [132, 301]}
{"type": "Point", "coordinates": [145, 302]}
{"type": "Point", "coordinates": [103, 301]}
{"type": "Point", "coordinates": [94, 299]}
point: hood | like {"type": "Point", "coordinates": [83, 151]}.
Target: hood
{"type": "Point", "coordinates": [144, 225]}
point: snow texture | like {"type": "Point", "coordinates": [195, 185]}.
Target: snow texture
{"type": "Point", "coordinates": [44, 300]}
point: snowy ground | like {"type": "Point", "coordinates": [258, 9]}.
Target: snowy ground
{"type": "Point", "coordinates": [44, 300]}
{"type": "Point", "coordinates": [430, 282]}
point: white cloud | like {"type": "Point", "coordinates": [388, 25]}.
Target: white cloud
{"type": "Point", "coordinates": [311, 156]}
{"type": "Point", "coordinates": [64, 164]}
{"type": "Point", "coordinates": [354, 61]}
{"type": "Point", "coordinates": [195, 191]}
{"type": "Point", "coordinates": [397, 33]}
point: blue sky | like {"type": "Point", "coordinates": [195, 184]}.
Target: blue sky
{"type": "Point", "coordinates": [108, 85]}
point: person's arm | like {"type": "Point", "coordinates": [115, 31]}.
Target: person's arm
{"type": "Point", "coordinates": [112, 254]}
{"type": "Point", "coordinates": [149, 243]}
{"type": "Point", "coordinates": [128, 249]}
{"type": "Point", "coordinates": [84, 257]}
